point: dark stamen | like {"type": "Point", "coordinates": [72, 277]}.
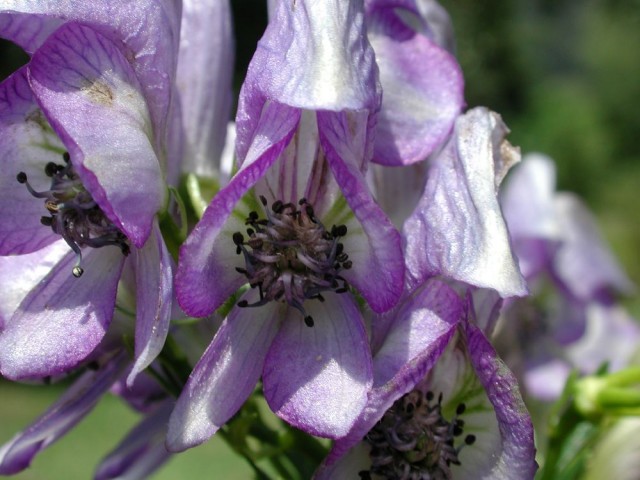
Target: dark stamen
{"type": "Point", "coordinates": [290, 256]}
{"type": "Point", "coordinates": [413, 440]}
{"type": "Point", "coordinates": [75, 216]}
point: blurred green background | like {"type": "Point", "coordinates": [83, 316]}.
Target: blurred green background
{"type": "Point", "coordinates": [564, 74]}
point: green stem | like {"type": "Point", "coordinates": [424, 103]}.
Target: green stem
{"type": "Point", "coordinates": [614, 397]}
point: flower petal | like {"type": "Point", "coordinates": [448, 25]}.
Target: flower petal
{"type": "Point", "coordinates": [154, 290]}
{"type": "Point", "coordinates": [27, 144]}
{"type": "Point", "coordinates": [373, 244]}
{"type": "Point", "coordinates": [205, 71]}
{"type": "Point", "coordinates": [63, 318]}
{"type": "Point", "coordinates": [206, 274]}
{"type": "Point", "coordinates": [584, 263]}
{"type": "Point", "coordinates": [317, 378]}
{"type": "Point", "coordinates": [512, 453]}
{"type": "Point", "coordinates": [457, 229]}
{"type": "Point", "coordinates": [21, 273]}
{"type": "Point", "coordinates": [146, 32]}
{"type": "Point", "coordinates": [425, 319]}
{"type": "Point", "coordinates": [91, 96]}
{"type": "Point", "coordinates": [74, 404]}
{"type": "Point", "coordinates": [225, 375]}
{"type": "Point", "coordinates": [422, 84]}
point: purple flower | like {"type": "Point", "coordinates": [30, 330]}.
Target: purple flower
{"type": "Point", "coordinates": [298, 224]}
{"type": "Point", "coordinates": [104, 192]}
{"type": "Point", "coordinates": [573, 320]}
{"type": "Point", "coordinates": [443, 404]}
{"type": "Point", "coordinates": [91, 134]}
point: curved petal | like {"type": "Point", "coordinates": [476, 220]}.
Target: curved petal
{"type": "Point", "coordinates": [154, 291]}
{"type": "Point", "coordinates": [27, 144]}
{"type": "Point", "coordinates": [422, 84]}
{"type": "Point", "coordinates": [317, 378]}
{"type": "Point", "coordinates": [313, 56]}
{"type": "Point", "coordinates": [205, 71]}
{"type": "Point", "coordinates": [74, 404]}
{"type": "Point", "coordinates": [428, 315]}
{"type": "Point", "coordinates": [457, 229]}
{"type": "Point", "coordinates": [146, 32]}
{"type": "Point", "coordinates": [513, 451]}
{"type": "Point", "coordinates": [225, 375]}
{"type": "Point", "coordinates": [206, 274]}
{"type": "Point", "coordinates": [583, 262]}
{"type": "Point", "coordinates": [63, 318]}
{"type": "Point", "coordinates": [91, 96]}
{"type": "Point", "coordinates": [373, 244]}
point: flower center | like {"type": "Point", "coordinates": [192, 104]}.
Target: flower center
{"type": "Point", "coordinates": [291, 257]}
{"type": "Point", "coordinates": [414, 441]}
{"type": "Point", "coordinates": [74, 214]}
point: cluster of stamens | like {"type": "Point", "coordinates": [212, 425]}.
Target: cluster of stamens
{"type": "Point", "coordinates": [413, 441]}
{"type": "Point", "coordinates": [74, 214]}
{"type": "Point", "coordinates": [290, 256]}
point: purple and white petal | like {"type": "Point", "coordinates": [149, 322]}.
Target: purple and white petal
{"type": "Point", "coordinates": [504, 447]}
{"type": "Point", "coordinates": [142, 451]}
{"type": "Point", "coordinates": [27, 144]}
{"type": "Point", "coordinates": [206, 274]}
{"type": "Point", "coordinates": [328, 372]}
{"type": "Point", "coordinates": [584, 263]}
{"type": "Point", "coordinates": [74, 404]}
{"type": "Point", "coordinates": [422, 84]}
{"type": "Point", "coordinates": [372, 243]}
{"type": "Point", "coordinates": [154, 292]}
{"type": "Point", "coordinates": [63, 318]}
{"type": "Point", "coordinates": [19, 274]}
{"type": "Point", "coordinates": [226, 374]}
{"type": "Point", "coordinates": [312, 56]}
{"type": "Point", "coordinates": [424, 319]}
{"type": "Point", "coordinates": [205, 71]}
{"type": "Point", "coordinates": [90, 94]}
{"type": "Point", "coordinates": [457, 229]}
{"type": "Point", "coordinates": [145, 31]}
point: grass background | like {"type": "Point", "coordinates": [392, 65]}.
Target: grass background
{"type": "Point", "coordinates": [564, 74]}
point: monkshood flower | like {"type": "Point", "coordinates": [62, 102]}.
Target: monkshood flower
{"type": "Point", "coordinates": [91, 131]}
{"type": "Point", "coordinates": [299, 226]}
{"type": "Point", "coordinates": [573, 320]}
{"type": "Point", "coordinates": [443, 404]}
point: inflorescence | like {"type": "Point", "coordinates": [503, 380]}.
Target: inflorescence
{"type": "Point", "coordinates": [74, 213]}
{"type": "Point", "coordinates": [413, 441]}
{"type": "Point", "coordinates": [290, 256]}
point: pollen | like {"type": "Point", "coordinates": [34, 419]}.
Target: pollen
{"type": "Point", "coordinates": [291, 257]}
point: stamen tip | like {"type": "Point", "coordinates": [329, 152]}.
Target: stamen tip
{"type": "Point", "coordinates": [77, 271]}
{"type": "Point", "coordinates": [308, 321]}
{"type": "Point", "coordinates": [21, 177]}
